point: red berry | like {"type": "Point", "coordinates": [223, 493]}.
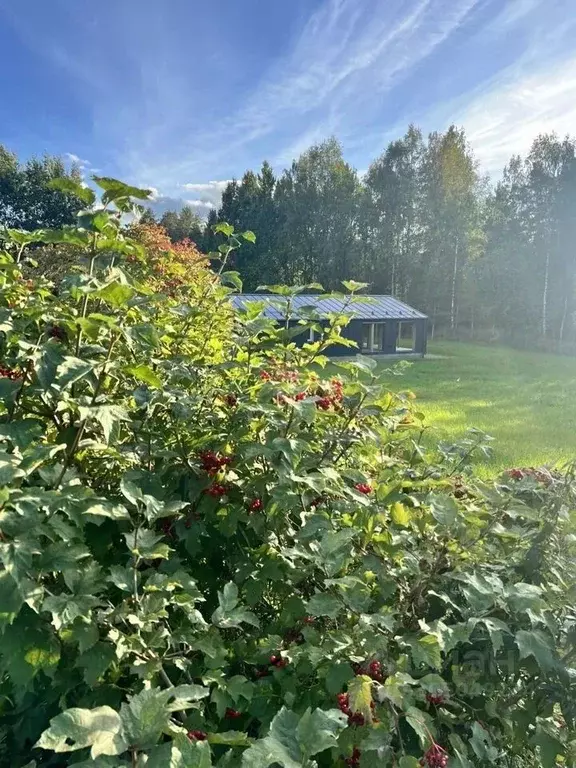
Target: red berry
{"type": "Point", "coordinates": [309, 619]}
{"type": "Point", "coordinates": [375, 671]}
{"type": "Point", "coordinates": [435, 757]}
{"type": "Point", "coordinates": [343, 703]}
{"type": "Point", "coordinates": [231, 400]}
{"type": "Point", "coordinates": [356, 718]}
{"type": "Point", "coordinates": [265, 376]}
{"type": "Point", "coordinates": [435, 698]}
{"type": "Point", "coordinates": [354, 760]}
{"type": "Point", "coordinates": [256, 505]}
{"type": "Point", "coordinates": [197, 736]}
{"type": "Point", "coordinates": [300, 396]}
{"type": "Point", "coordinates": [261, 673]}
{"type": "Point", "coordinates": [363, 488]}
{"type": "Point", "coordinates": [324, 403]}
{"type": "Point", "coordinates": [216, 490]}
{"type": "Point", "coordinates": [233, 714]}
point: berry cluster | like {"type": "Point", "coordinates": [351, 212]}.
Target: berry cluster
{"type": "Point", "coordinates": [197, 735]}
{"type": "Point", "coordinates": [56, 332]}
{"type": "Point", "coordinates": [363, 488]}
{"type": "Point", "coordinates": [231, 400]}
{"type": "Point", "coordinates": [216, 490]}
{"type": "Point", "coordinates": [435, 698]}
{"type": "Point", "coordinates": [256, 505]}
{"type": "Point", "coordinates": [212, 463]}
{"type": "Point", "coordinates": [332, 397]}
{"type": "Point", "coordinates": [436, 757]}
{"type": "Point", "coordinates": [233, 714]}
{"type": "Point", "coordinates": [278, 661]}
{"type": "Point", "coordinates": [373, 670]}
{"type": "Point", "coordinates": [354, 718]}
{"type": "Point", "coordinates": [166, 527]}
{"type": "Point", "coordinates": [8, 373]}
{"type": "Point", "coordinates": [354, 760]}
{"type": "Point", "coordinates": [539, 475]}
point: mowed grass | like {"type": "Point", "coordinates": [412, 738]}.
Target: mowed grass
{"type": "Point", "coordinates": [525, 400]}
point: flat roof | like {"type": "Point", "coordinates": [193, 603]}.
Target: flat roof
{"type": "Point", "coordinates": [362, 308]}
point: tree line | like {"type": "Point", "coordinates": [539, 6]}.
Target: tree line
{"type": "Point", "coordinates": [489, 261]}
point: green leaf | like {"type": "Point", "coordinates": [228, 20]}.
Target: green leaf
{"type": "Point", "coordinates": [400, 514]}
{"type": "Point", "coordinates": [223, 228]}
{"type": "Point", "coordinates": [147, 544]}
{"type": "Point", "coordinates": [115, 190]}
{"type": "Point", "coordinates": [335, 549]}
{"type": "Point", "coordinates": [145, 374]}
{"type": "Point", "coordinates": [230, 738]}
{"type": "Point", "coordinates": [338, 675]}
{"type": "Point", "coordinates": [249, 236]}
{"type": "Point", "coordinates": [426, 650]}
{"type": "Point", "coordinates": [481, 743]}
{"type": "Point", "coordinates": [28, 647]}
{"type": "Point", "coordinates": [409, 762]}
{"type": "Point", "coordinates": [318, 731]}
{"type": "Point", "coordinates": [444, 509]}
{"type": "Point", "coordinates": [145, 717]}
{"type": "Point", "coordinates": [100, 729]}
{"type": "Point", "coordinates": [539, 645]}
{"type": "Point", "coordinates": [181, 753]}
{"type": "Point", "coordinates": [422, 724]}
{"type": "Point", "coordinates": [95, 661]}
{"type": "Point", "coordinates": [233, 279]}
{"type": "Point", "coordinates": [71, 370]}
{"type": "Point", "coordinates": [71, 187]}
{"type": "Point", "coordinates": [184, 695]}
{"type": "Point", "coordinates": [115, 294]}
{"type": "Point", "coordinates": [292, 741]}
{"type": "Point", "coordinates": [353, 286]}
{"type": "Point", "coordinates": [549, 747]}
{"type": "Point", "coordinates": [229, 614]}
{"type": "Point", "coordinates": [324, 604]}
{"type": "Point", "coordinates": [106, 415]}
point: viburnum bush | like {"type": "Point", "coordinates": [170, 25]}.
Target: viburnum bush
{"type": "Point", "coordinates": [218, 551]}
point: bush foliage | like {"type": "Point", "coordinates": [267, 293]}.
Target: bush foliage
{"type": "Point", "coordinates": [215, 553]}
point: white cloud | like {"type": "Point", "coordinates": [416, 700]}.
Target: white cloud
{"type": "Point", "coordinates": [505, 119]}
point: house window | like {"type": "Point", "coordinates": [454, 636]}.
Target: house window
{"type": "Point", "coordinates": [372, 337]}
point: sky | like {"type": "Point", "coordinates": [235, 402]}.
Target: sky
{"type": "Point", "coordinates": [183, 95]}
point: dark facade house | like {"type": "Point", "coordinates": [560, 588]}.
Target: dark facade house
{"type": "Point", "coordinates": [380, 325]}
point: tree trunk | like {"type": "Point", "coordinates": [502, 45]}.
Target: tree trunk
{"type": "Point", "coordinates": [453, 297]}
{"type": "Point", "coordinates": [563, 321]}
{"type": "Point", "coordinates": [545, 296]}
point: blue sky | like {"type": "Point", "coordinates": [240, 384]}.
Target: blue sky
{"type": "Point", "coordinates": [181, 95]}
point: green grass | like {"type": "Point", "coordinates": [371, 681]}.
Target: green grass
{"type": "Point", "coordinates": [525, 400]}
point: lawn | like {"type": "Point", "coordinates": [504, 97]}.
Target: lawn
{"type": "Point", "coordinates": [525, 400]}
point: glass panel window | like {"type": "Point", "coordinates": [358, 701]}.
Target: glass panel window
{"type": "Point", "coordinates": [366, 327]}
{"type": "Point", "coordinates": [378, 341]}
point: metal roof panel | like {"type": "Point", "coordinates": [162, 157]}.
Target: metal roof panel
{"type": "Point", "coordinates": [374, 308]}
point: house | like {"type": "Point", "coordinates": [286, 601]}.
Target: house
{"type": "Point", "coordinates": [380, 325]}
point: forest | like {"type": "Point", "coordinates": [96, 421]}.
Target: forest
{"type": "Point", "coordinates": [487, 259]}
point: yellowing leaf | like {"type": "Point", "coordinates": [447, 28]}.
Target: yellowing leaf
{"type": "Point", "coordinates": [360, 696]}
{"type": "Point", "coordinates": [400, 514]}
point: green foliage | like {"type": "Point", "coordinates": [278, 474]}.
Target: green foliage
{"type": "Point", "coordinates": [202, 566]}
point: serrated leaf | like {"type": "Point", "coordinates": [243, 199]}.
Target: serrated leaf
{"type": "Point", "coordinates": [338, 676]}
{"type": "Point", "coordinates": [145, 374]}
{"type": "Point", "coordinates": [426, 650]}
{"type": "Point", "coordinates": [318, 730]}
{"type": "Point", "coordinates": [539, 645]}
{"type": "Point", "coordinates": [400, 514]}
{"type": "Point", "coordinates": [230, 738]}
{"type": "Point", "coordinates": [145, 717]}
{"type": "Point", "coordinates": [71, 370]}
{"type": "Point", "coordinates": [324, 604]}
{"type": "Point", "coordinates": [147, 544]}
{"type": "Point", "coordinates": [95, 661]}
{"type": "Point", "coordinates": [106, 415]}
{"type": "Point", "coordinates": [100, 729]}
{"type": "Point", "coordinates": [360, 696]}
{"type": "Point", "coordinates": [444, 509]}
{"type": "Point", "coordinates": [422, 724]}
{"type": "Point", "coordinates": [549, 746]}
{"type": "Point", "coordinates": [229, 613]}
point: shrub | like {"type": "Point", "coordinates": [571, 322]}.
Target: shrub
{"type": "Point", "coordinates": [215, 553]}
